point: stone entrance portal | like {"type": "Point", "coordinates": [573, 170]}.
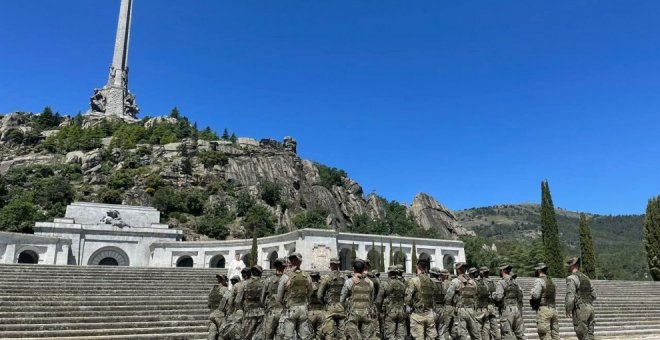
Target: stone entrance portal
{"type": "Point", "coordinates": [109, 256]}
{"type": "Point", "coordinates": [28, 257]}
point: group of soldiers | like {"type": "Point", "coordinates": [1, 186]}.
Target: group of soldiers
{"type": "Point", "coordinates": [294, 304]}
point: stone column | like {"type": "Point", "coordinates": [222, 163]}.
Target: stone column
{"type": "Point", "coordinates": [119, 68]}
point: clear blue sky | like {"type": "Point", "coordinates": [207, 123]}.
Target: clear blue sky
{"type": "Point", "coordinates": [474, 102]}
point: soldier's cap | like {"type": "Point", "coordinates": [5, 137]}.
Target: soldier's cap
{"type": "Point", "coordinates": [460, 265]}
{"type": "Point", "coordinates": [444, 272]}
{"type": "Point", "coordinates": [506, 267]}
{"type": "Point", "coordinates": [392, 269]}
{"type": "Point", "coordinates": [573, 261]}
{"type": "Point", "coordinates": [435, 270]}
{"type": "Point", "coordinates": [541, 266]}
{"type": "Point", "coordinates": [296, 255]}
{"type": "Point", "coordinates": [221, 277]}
{"type": "Point", "coordinates": [280, 261]}
{"type": "Point", "coordinates": [257, 268]}
{"type": "Point", "coordinates": [245, 270]}
{"type": "Point", "coordinates": [335, 260]}
{"type": "Point", "coordinates": [315, 274]}
{"type": "Point", "coordinates": [235, 278]}
{"type": "Point", "coordinates": [484, 269]}
{"type": "Point", "coordinates": [357, 260]}
{"type": "Point", "coordinates": [472, 270]}
{"type": "Point", "coordinates": [375, 273]}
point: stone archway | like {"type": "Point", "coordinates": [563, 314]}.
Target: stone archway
{"type": "Point", "coordinates": [217, 261]}
{"type": "Point", "coordinates": [185, 262]}
{"type": "Point", "coordinates": [427, 258]}
{"type": "Point", "coordinates": [271, 259]}
{"type": "Point", "coordinates": [28, 257]}
{"type": "Point", "coordinates": [109, 256]}
{"type": "Point", "coordinates": [373, 255]}
{"type": "Point", "coordinates": [345, 259]}
{"type": "Point", "coordinates": [448, 262]}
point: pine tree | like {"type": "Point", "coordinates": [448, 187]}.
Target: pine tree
{"type": "Point", "coordinates": [253, 251]}
{"type": "Point", "coordinates": [392, 260]}
{"type": "Point", "coordinates": [233, 138]}
{"type": "Point", "coordinates": [175, 113]}
{"type": "Point", "coordinates": [413, 261]}
{"type": "Point", "coordinates": [588, 257]}
{"type": "Point", "coordinates": [550, 232]}
{"type": "Point", "coordinates": [225, 134]}
{"type": "Point", "coordinates": [652, 236]}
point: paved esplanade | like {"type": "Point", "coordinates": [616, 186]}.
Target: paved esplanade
{"type": "Point", "coordinates": [114, 99]}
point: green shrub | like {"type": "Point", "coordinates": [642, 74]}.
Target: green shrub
{"type": "Point", "coordinates": [109, 196]}
{"type": "Point", "coordinates": [127, 136]}
{"type": "Point", "coordinates": [211, 158]}
{"type": "Point", "coordinates": [214, 222]}
{"type": "Point", "coordinates": [270, 192]}
{"type": "Point", "coordinates": [330, 176]}
{"type": "Point", "coordinates": [243, 203]}
{"type": "Point", "coordinates": [74, 137]}
{"type": "Point", "coordinates": [259, 221]}
{"type": "Point", "coordinates": [19, 215]}
{"type": "Point", "coordinates": [121, 179]}
{"type": "Point", "coordinates": [310, 219]}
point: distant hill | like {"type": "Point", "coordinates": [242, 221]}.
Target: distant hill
{"type": "Point", "coordinates": [618, 240]}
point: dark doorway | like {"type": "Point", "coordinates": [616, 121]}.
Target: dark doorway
{"type": "Point", "coordinates": [185, 262]}
{"type": "Point", "coordinates": [28, 257]}
{"type": "Point", "coordinates": [109, 261]}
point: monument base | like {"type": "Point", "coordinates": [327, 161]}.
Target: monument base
{"type": "Point", "coordinates": [113, 101]}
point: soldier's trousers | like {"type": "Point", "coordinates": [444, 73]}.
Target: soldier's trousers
{"type": "Point", "coordinates": [215, 325]}
{"type": "Point", "coordinates": [422, 325]}
{"type": "Point", "coordinates": [295, 323]}
{"type": "Point", "coordinates": [316, 319]}
{"type": "Point", "coordinates": [361, 325]}
{"type": "Point", "coordinates": [271, 324]}
{"type": "Point", "coordinates": [494, 325]}
{"type": "Point", "coordinates": [334, 324]}
{"type": "Point", "coordinates": [547, 323]}
{"type": "Point", "coordinates": [466, 325]}
{"type": "Point", "coordinates": [512, 323]}
{"type": "Point", "coordinates": [442, 320]}
{"type": "Point", "coordinates": [394, 324]}
{"type": "Point", "coordinates": [481, 315]}
{"type": "Point", "coordinates": [253, 326]}
{"type": "Point", "coordinates": [583, 321]}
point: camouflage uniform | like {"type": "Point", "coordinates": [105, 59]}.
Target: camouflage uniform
{"type": "Point", "coordinates": [232, 326]}
{"type": "Point", "coordinates": [273, 307]}
{"type": "Point", "coordinates": [293, 290]}
{"type": "Point", "coordinates": [579, 298]}
{"type": "Point", "coordinates": [547, 318]}
{"type": "Point", "coordinates": [330, 292]}
{"type": "Point", "coordinates": [391, 302]}
{"type": "Point", "coordinates": [315, 313]}
{"type": "Point", "coordinates": [374, 277]}
{"type": "Point", "coordinates": [419, 296]}
{"type": "Point", "coordinates": [510, 296]}
{"type": "Point", "coordinates": [442, 313]}
{"type": "Point", "coordinates": [462, 294]}
{"type": "Point", "coordinates": [481, 311]}
{"type": "Point", "coordinates": [358, 295]}
{"type": "Point", "coordinates": [218, 314]}
{"type": "Point", "coordinates": [493, 318]}
{"type": "Point", "coordinates": [249, 301]}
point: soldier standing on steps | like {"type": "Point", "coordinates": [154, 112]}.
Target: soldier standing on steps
{"type": "Point", "coordinates": [579, 298]}
{"type": "Point", "coordinates": [493, 317]}
{"type": "Point", "coordinates": [217, 292]}
{"type": "Point", "coordinates": [315, 313]}
{"type": "Point", "coordinates": [269, 298]}
{"type": "Point", "coordinates": [439, 301]}
{"type": "Point", "coordinates": [510, 297]}
{"type": "Point", "coordinates": [218, 313]}
{"type": "Point", "coordinates": [462, 293]}
{"type": "Point", "coordinates": [358, 295]}
{"type": "Point", "coordinates": [230, 327]}
{"type": "Point", "coordinates": [293, 291]}
{"type": "Point", "coordinates": [483, 300]}
{"type": "Point", "coordinates": [391, 303]}
{"type": "Point", "coordinates": [249, 301]}
{"type": "Point", "coordinates": [543, 302]}
{"type": "Point", "coordinates": [330, 293]}
{"type": "Point", "coordinates": [234, 325]}
{"type": "Point", "coordinates": [419, 297]}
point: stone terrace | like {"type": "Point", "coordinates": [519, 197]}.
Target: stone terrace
{"type": "Point", "coordinates": [69, 302]}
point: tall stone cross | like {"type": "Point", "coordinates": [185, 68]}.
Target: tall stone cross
{"type": "Point", "coordinates": [114, 99]}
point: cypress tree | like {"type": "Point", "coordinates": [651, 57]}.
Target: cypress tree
{"type": "Point", "coordinates": [588, 257]}
{"type": "Point", "coordinates": [392, 260]}
{"type": "Point", "coordinates": [652, 236]}
{"type": "Point", "coordinates": [253, 251]}
{"type": "Point", "coordinates": [372, 256]}
{"type": "Point", "coordinates": [382, 257]}
{"type": "Point", "coordinates": [413, 261]}
{"type": "Point", "coordinates": [550, 232]}
{"type": "Point", "coordinates": [353, 254]}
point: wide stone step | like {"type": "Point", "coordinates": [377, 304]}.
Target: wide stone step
{"type": "Point", "coordinates": [170, 336]}
{"type": "Point", "coordinates": [100, 303]}
{"type": "Point", "coordinates": [102, 298]}
{"type": "Point", "coordinates": [138, 307]}
{"type": "Point", "coordinates": [53, 315]}
{"type": "Point", "coordinates": [100, 325]}
{"type": "Point", "coordinates": [88, 333]}
{"type": "Point", "coordinates": [105, 318]}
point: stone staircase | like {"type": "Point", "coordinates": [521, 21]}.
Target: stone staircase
{"type": "Point", "coordinates": [70, 302]}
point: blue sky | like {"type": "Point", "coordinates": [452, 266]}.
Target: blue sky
{"type": "Point", "coordinates": [474, 102]}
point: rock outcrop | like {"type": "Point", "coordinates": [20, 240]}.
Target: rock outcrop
{"type": "Point", "coordinates": [430, 214]}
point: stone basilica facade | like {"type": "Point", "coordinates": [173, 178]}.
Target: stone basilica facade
{"type": "Point", "coordinates": [92, 234]}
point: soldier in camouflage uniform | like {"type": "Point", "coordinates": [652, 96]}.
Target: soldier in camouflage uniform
{"type": "Point", "coordinates": [543, 302]}
{"type": "Point", "coordinates": [330, 292]}
{"type": "Point", "coordinates": [293, 292]}
{"type": "Point", "coordinates": [269, 299]}
{"type": "Point", "coordinates": [358, 295]}
{"type": "Point", "coordinates": [482, 302]}
{"type": "Point", "coordinates": [391, 302]}
{"type": "Point", "coordinates": [440, 290]}
{"type": "Point", "coordinates": [493, 317]}
{"type": "Point", "coordinates": [462, 294]}
{"type": "Point", "coordinates": [231, 327]}
{"type": "Point", "coordinates": [374, 276]}
{"type": "Point", "coordinates": [419, 298]}
{"type": "Point", "coordinates": [249, 301]}
{"type": "Point", "coordinates": [216, 294]}
{"type": "Point", "coordinates": [218, 309]}
{"type": "Point", "coordinates": [579, 298]}
{"type": "Point", "coordinates": [510, 297]}
{"type": "Point", "coordinates": [315, 313]}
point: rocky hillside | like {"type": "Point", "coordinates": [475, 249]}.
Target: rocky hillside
{"type": "Point", "coordinates": [618, 240]}
{"type": "Point", "coordinates": [209, 185]}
